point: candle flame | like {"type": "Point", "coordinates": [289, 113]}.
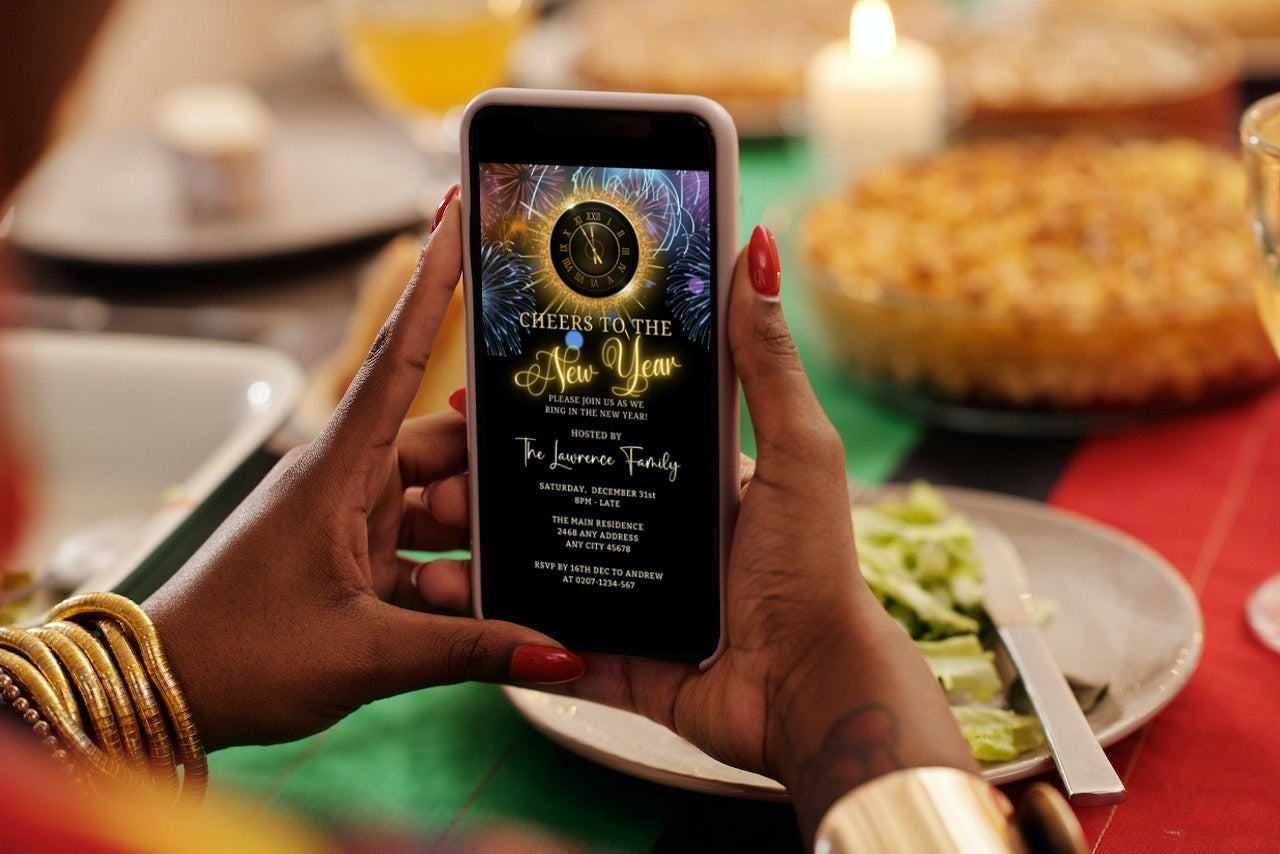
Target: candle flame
{"type": "Point", "coordinates": [871, 33]}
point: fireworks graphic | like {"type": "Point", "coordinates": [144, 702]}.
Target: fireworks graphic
{"type": "Point", "coordinates": [653, 195]}
{"type": "Point", "coordinates": [516, 193]}
{"type": "Point", "coordinates": [671, 212]}
{"type": "Point", "coordinates": [688, 294]}
{"type": "Point", "coordinates": [506, 290]}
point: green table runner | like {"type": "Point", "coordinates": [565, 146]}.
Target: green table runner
{"type": "Point", "coordinates": [445, 762]}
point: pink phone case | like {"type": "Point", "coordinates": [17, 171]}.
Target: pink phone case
{"type": "Point", "coordinates": [725, 142]}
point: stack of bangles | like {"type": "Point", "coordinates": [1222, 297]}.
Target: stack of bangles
{"type": "Point", "coordinates": [94, 685]}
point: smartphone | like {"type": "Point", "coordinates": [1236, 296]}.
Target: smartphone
{"type": "Point", "coordinates": [602, 405]}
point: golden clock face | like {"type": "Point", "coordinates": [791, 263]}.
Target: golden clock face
{"type": "Point", "coordinates": [594, 249]}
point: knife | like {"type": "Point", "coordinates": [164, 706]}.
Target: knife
{"type": "Point", "coordinates": [1086, 772]}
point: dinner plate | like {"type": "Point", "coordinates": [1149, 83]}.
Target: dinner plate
{"type": "Point", "coordinates": [125, 437]}
{"type": "Point", "coordinates": [330, 176]}
{"type": "Point", "coordinates": [1124, 616]}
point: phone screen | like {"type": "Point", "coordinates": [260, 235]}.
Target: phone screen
{"type": "Point", "coordinates": [596, 363]}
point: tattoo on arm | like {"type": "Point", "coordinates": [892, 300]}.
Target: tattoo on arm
{"type": "Point", "coordinates": [859, 747]}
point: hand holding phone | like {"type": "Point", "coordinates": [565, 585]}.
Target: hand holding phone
{"type": "Point", "coordinates": [601, 231]}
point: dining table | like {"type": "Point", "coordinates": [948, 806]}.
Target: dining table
{"type": "Point", "coordinates": [1199, 488]}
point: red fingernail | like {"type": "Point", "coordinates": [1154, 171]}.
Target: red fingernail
{"type": "Point", "coordinates": [763, 265]}
{"type": "Point", "coordinates": [533, 662]}
{"type": "Point", "coordinates": [444, 205]}
{"type": "Point", "coordinates": [458, 400]}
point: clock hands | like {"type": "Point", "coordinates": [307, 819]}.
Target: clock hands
{"type": "Point", "coordinates": [591, 244]}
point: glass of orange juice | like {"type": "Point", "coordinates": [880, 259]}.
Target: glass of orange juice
{"type": "Point", "coordinates": [1260, 143]}
{"type": "Point", "coordinates": [423, 60]}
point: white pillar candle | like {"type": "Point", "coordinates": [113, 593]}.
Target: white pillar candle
{"type": "Point", "coordinates": [873, 98]}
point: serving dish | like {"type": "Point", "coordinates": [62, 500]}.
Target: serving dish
{"type": "Point", "coordinates": [1088, 276]}
{"type": "Point", "coordinates": [124, 437]}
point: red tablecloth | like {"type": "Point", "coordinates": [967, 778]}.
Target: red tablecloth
{"type": "Point", "coordinates": [1204, 491]}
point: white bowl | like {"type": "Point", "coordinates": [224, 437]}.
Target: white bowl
{"type": "Point", "coordinates": [125, 436]}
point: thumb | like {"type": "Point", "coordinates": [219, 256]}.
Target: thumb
{"type": "Point", "coordinates": [418, 650]}
{"type": "Point", "coordinates": [789, 424]}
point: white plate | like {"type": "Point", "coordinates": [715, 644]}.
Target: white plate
{"type": "Point", "coordinates": [133, 433]}
{"type": "Point", "coordinates": [1125, 616]}
{"type": "Point", "coordinates": [330, 176]}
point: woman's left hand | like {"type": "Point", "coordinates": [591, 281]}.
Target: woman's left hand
{"type": "Point", "coordinates": [299, 610]}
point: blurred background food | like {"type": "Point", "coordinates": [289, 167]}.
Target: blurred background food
{"type": "Point", "coordinates": [1073, 272]}
{"type": "Point", "coordinates": [1086, 65]}
{"type": "Point", "coordinates": [743, 54]}
{"type": "Point", "coordinates": [995, 216]}
{"type": "Point", "coordinates": [1255, 22]}
{"type": "Point", "coordinates": [381, 284]}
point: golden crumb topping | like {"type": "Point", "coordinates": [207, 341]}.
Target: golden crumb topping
{"type": "Point", "coordinates": [1076, 225]}
{"type": "Point", "coordinates": [1067, 272]}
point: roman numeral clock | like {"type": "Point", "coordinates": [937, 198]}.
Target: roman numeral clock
{"type": "Point", "coordinates": [594, 248]}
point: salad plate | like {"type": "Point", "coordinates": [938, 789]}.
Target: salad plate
{"type": "Point", "coordinates": [1122, 615]}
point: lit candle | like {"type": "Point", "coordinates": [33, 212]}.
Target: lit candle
{"type": "Point", "coordinates": [875, 97]}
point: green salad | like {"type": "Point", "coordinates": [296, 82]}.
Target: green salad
{"type": "Point", "coordinates": [918, 558]}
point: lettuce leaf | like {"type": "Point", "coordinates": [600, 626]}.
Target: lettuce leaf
{"type": "Point", "coordinates": [918, 558]}
{"type": "Point", "coordinates": [997, 735]}
{"type": "Point", "coordinates": [962, 666]}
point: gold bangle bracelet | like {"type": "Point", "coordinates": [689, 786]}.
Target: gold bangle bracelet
{"type": "Point", "coordinates": [94, 697]}
{"type": "Point", "coordinates": [941, 809]}
{"type": "Point", "coordinates": [921, 809]}
{"type": "Point", "coordinates": [133, 747]}
{"type": "Point", "coordinates": [195, 769]}
{"type": "Point", "coordinates": [11, 694]}
{"type": "Point", "coordinates": [154, 727]}
{"type": "Point", "coordinates": [37, 652]}
{"type": "Point", "coordinates": [47, 702]}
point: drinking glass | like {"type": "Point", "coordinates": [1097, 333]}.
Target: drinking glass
{"type": "Point", "coordinates": [423, 60]}
{"type": "Point", "coordinates": [1260, 139]}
